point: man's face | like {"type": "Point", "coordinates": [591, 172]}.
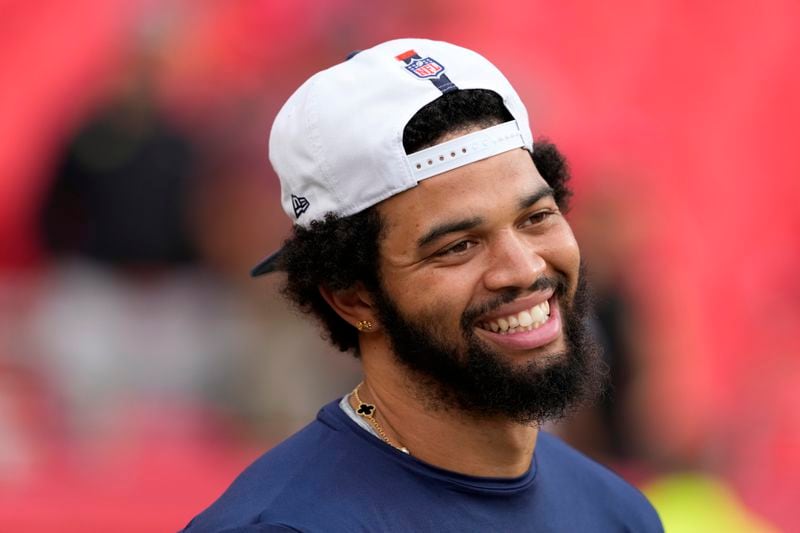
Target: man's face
{"type": "Point", "coordinates": [480, 275]}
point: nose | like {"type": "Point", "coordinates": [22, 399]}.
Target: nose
{"type": "Point", "coordinates": [513, 263]}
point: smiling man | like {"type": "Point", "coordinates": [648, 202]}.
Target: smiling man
{"type": "Point", "coordinates": [429, 239]}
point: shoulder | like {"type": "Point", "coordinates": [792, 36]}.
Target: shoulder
{"type": "Point", "coordinates": [590, 487]}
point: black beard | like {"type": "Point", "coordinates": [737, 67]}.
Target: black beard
{"type": "Point", "coordinates": [479, 382]}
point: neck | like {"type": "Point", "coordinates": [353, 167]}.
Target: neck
{"type": "Point", "coordinates": [444, 437]}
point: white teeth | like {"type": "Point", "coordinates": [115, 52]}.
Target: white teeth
{"type": "Point", "coordinates": [523, 321]}
{"type": "Point", "coordinates": [538, 314]}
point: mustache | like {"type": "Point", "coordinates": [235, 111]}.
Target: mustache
{"type": "Point", "coordinates": [558, 283]}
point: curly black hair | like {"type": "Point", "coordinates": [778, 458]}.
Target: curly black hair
{"type": "Point", "coordinates": [339, 252]}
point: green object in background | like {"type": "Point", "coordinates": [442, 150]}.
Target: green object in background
{"type": "Point", "coordinates": [698, 503]}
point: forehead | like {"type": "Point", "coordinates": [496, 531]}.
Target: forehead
{"type": "Point", "coordinates": [490, 189]}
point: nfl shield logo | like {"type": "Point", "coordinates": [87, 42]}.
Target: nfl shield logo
{"type": "Point", "coordinates": [425, 68]}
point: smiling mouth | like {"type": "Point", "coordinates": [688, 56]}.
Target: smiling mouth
{"type": "Point", "coordinates": [527, 320]}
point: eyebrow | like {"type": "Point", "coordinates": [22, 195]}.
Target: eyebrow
{"type": "Point", "coordinates": [543, 192]}
{"type": "Point", "coordinates": [448, 227]}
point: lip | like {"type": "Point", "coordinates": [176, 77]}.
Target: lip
{"type": "Point", "coordinates": [528, 340]}
{"type": "Point", "coordinates": [523, 304]}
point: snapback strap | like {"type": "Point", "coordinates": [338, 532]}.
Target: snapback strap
{"type": "Point", "coordinates": [464, 150]}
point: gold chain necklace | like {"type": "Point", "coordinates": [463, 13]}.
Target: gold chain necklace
{"type": "Point", "coordinates": [367, 411]}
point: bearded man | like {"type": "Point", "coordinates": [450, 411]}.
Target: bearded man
{"type": "Point", "coordinates": [430, 240]}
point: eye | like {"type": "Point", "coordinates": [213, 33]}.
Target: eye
{"type": "Point", "coordinates": [538, 217]}
{"type": "Point", "coordinates": [456, 249]}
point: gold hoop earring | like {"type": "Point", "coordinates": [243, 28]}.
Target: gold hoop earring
{"type": "Point", "coordinates": [364, 325]}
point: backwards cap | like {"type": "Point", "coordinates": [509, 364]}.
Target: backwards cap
{"type": "Point", "coordinates": [337, 143]}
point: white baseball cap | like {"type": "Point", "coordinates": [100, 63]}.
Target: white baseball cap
{"type": "Point", "coordinates": [337, 143]}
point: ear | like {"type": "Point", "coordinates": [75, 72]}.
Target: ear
{"type": "Point", "coordinates": [353, 305]}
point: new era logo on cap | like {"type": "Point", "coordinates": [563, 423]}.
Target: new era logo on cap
{"type": "Point", "coordinates": [300, 205]}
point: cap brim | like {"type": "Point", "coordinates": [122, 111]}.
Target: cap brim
{"type": "Point", "coordinates": [271, 263]}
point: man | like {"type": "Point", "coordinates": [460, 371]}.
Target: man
{"type": "Point", "coordinates": [429, 239]}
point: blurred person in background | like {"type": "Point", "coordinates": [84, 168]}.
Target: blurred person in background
{"type": "Point", "coordinates": [137, 309]}
{"type": "Point", "coordinates": [429, 240]}
{"type": "Point", "coordinates": [122, 317]}
{"type": "Point", "coordinates": [120, 196]}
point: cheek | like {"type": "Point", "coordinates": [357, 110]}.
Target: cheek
{"type": "Point", "coordinates": [435, 297]}
{"type": "Point", "coordinates": [571, 251]}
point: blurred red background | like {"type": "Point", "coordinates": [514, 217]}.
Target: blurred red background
{"type": "Point", "coordinates": [134, 387]}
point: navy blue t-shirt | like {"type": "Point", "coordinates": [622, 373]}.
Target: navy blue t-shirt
{"type": "Point", "coordinates": [333, 476]}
